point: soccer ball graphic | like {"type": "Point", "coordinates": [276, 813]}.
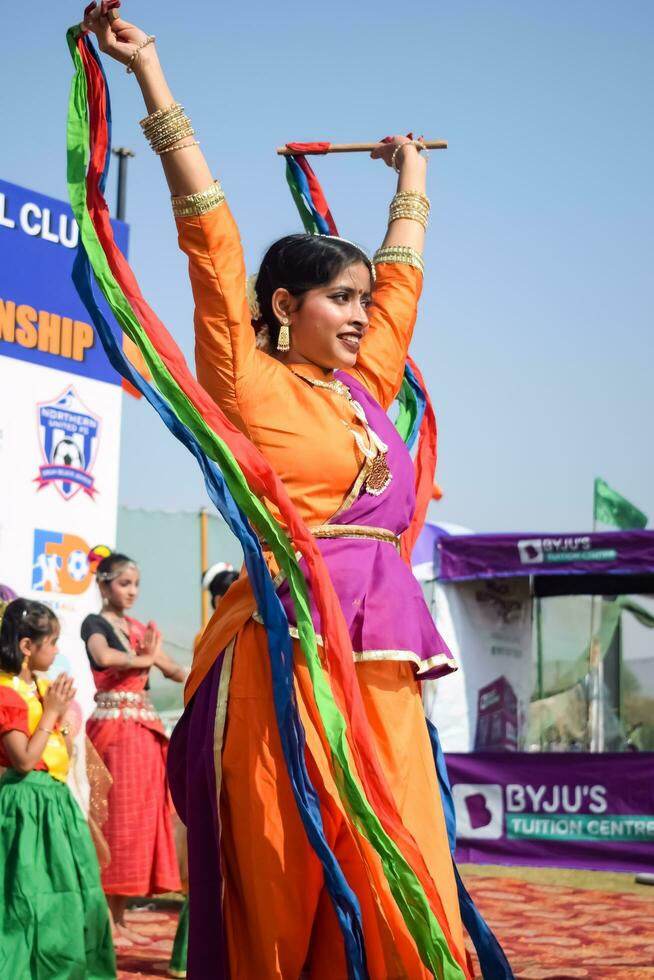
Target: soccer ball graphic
{"type": "Point", "coordinates": [77, 566]}
{"type": "Point", "coordinates": [68, 453]}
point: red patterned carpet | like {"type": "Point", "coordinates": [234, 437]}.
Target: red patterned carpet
{"type": "Point", "coordinates": [549, 932]}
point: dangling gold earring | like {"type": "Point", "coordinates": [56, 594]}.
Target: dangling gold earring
{"type": "Point", "coordinates": [284, 339]}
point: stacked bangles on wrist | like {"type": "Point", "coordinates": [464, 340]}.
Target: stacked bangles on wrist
{"type": "Point", "coordinates": [400, 146]}
{"type": "Point", "coordinates": [165, 128]}
{"type": "Point", "coordinates": [411, 205]}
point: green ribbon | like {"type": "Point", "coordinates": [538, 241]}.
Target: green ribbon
{"type": "Point", "coordinates": [403, 882]}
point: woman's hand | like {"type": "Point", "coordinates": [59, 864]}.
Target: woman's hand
{"type": "Point", "coordinates": [389, 153]}
{"type": "Point", "coordinates": [59, 695]}
{"type": "Point", "coordinates": [116, 37]}
{"type": "Point", "coordinates": [401, 153]}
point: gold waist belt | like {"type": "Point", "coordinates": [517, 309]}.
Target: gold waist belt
{"type": "Point", "coordinates": [355, 532]}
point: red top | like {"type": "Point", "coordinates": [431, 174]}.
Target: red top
{"type": "Point", "coordinates": [13, 718]}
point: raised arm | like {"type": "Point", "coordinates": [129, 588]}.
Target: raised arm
{"type": "Point", "coordinates": [226, 355]}
{"type": "Point", "coordinates": [399, 268]}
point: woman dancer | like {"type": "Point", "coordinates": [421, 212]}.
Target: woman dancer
{"type": "Point", "coordinates": [53, 916]}
{"type": "Point", "coordinates": [349, 475]}
{"type": "Point", "coordinates": [129, 737]}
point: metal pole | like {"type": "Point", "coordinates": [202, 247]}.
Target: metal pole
{"type": "Point", "coordinates": [596, 672]}
{"type": "Point", "coordinates": [122, 152]}
{"type": "Point", "coordinates": [539, 662]}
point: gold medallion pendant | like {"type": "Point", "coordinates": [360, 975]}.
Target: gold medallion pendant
{"type": "Point", "coordinates": [379, 476]}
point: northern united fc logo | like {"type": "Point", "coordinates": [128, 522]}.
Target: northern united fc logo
{"type": "Point", "coordinates": [68, 434]}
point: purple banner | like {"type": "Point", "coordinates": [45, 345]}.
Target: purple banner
{"type": "Point", "coordinates": [475, 556]}
{"type": "Point", "coordinates": [562, 810]}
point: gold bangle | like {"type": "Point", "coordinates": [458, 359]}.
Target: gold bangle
{"type": "Point", "coordinates": [410, 213]}
{"type": "Point", "coordinates": [168, 128]}
{"type": "Point", "coordinates": [193, 205]}
{"type": "Point", "coordinates": [163, 121]}
{"type": "Point", "coordinates": [408, 216]}
{"type": "Point", "coordinates": [164, 124]}
{"type": "Point", "coordinates": [42, 728]}
{"type": "Point", "coordinates": [403, 254]}
{"type": "Point", "coordinates": [160, 113]}
{"type": "Point", "coordinates": [418, 145]}
{"type": "Point", "coordinates": [180, 146]}
{"type": "Point", "coordinates": [412, 197]}
{"type": "Point", "coordinates": [169, 139]}
{"type": "Point", "coordinates": [150, 39]}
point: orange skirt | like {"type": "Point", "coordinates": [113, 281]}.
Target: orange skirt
{"type": "Point", "coordinates": [279, 919]}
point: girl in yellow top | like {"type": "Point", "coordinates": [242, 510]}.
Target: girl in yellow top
{"type": "Point", "coordinates": [54, 920]}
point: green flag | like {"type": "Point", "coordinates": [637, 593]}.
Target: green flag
{"type": "Point", "coordinates": [612, 508]}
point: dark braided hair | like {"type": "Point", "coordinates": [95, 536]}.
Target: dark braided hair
{"type": "Point", "coordinates": [23, 619]}
{"type": "Point", "coordinates": [300, 263]}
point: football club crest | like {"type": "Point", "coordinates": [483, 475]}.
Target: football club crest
{"type": "Point", "coordinates": [68, 433]}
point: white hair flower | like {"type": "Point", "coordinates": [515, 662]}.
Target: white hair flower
{"type": "Point", "coordinates": [262, 339]}
{"type": "Point", "coordinates": [251, 293]}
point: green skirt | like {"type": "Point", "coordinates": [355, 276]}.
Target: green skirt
{"type": "Point", "coordinates": [54, 921]}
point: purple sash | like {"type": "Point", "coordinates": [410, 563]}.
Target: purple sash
{"type": "Point", "coordinates": [381, 600]}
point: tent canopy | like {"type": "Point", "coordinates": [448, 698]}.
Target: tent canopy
{"type": "Point", "coordinates": [609, 562]}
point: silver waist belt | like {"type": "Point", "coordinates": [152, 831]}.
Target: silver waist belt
{"type": "Point", "coordinates": [124, 704]}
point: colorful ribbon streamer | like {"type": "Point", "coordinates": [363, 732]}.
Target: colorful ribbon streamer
{"type": "Point", "coordinates": [416, 419]}
{"type": "Point", "coordinates": [364, 790]}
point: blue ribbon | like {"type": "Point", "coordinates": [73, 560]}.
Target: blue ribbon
{"type": "Point", "coordinates": [344, 900]}
{"type": "Point", "coordinates": [492, 959]}
{"type": "Point", "coordinates": [303, 185]}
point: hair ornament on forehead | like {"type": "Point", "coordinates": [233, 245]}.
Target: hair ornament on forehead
{"type": "Point", "coordinates": [339, 238]}
{"type": "Point", "coordinates": [347, 241]}
{"type": "Point", "coordinates": [115, 572]}
{"type": "Point", "coordinates": [99, 554]}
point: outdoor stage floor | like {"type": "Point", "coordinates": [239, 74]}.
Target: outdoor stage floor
{"type": "Point", "coordinates": [554, 925]}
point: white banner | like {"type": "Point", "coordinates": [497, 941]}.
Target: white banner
{"type": "Point", "coordinates": [59, 459]}
{"type": "Point", "coordinates": [487, 625]}
{"type": "Point", "coordinates": [60, 406]}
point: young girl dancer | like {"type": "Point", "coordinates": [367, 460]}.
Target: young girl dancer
{"type": "Point", "coordinates": [54, 920]}
{"type": "Point", "coordinates": [129, 738]}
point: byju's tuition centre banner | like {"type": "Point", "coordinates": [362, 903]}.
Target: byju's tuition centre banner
{"type": "Point", "coordinates": [60, 406]}
{"type": "Point", "coordinates": [571, 810]}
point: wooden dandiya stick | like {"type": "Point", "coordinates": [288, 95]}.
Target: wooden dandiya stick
{"type": "Point", "coordinates": [283, 151]}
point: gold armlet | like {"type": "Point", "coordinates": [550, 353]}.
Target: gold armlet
{"type": "Point", "coordinates": [193, 205]}
{"type": "Point", "coordinates": [399, 253]}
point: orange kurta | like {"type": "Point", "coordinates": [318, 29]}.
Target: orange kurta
{"type": "Point", "coordinates": [278, 918]}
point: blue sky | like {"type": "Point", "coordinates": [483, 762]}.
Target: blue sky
{"type": "Point", "coordinates": [536, 322]}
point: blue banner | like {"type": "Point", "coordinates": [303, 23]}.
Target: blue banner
{"type": "Point", "coordinates": [42, 319]}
